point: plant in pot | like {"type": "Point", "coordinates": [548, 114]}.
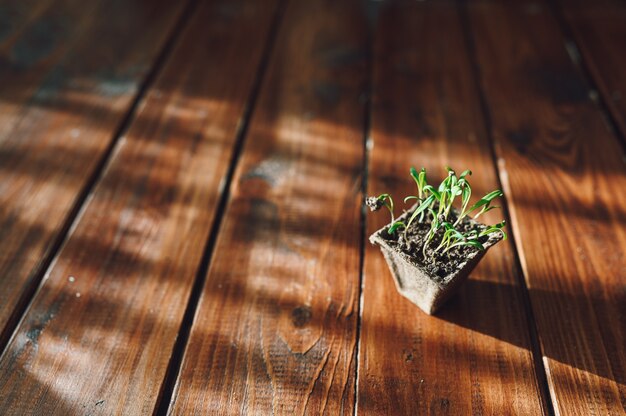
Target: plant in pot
{"type": "Point", "coordinates": [432, 247]}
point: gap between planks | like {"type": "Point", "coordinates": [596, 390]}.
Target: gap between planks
{"type": "Point", "coordinates": [580, 59]}
{"type": "Point", "coordinates": [170, 74]}
{"type": "Point", "coordinates": [455, 365]}
{"type": "Point", "coordinates": [299, 359]}
{"type": "Point", "coordinates": [173, 369]}
{"type": "Point", "coordinates": [31, 290]}
{"type": "Point", "coordinates": [568, 296]}
{"type": "Point", "coordinates": [367, 143]}
{"type": "Point", "coordinates": [537, 354]}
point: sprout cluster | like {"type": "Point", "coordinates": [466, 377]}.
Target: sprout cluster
{"type": "Point", "coordinates": [437, 204]}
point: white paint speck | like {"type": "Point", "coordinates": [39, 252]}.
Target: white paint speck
{"type": "Point", "coordinates": [77, 294]}
{"type": "Point", "coordinates": [72, 279]}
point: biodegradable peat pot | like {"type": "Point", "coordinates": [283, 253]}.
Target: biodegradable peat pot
{"type": "Point", "coordinates": [425, 289]}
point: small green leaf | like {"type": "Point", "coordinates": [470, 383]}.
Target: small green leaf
{"type": "Point", "coordinates": [497, 228]}
{"type": "Point", "coordinates": [395, 226]}
{"type": "Point", "coordinates": [486, 208]}
{"type": "Point", "coordinates": [433, 191]}
{"type": "Point", "coordinates": [474, 243]}
{"type": "Point", "coordinates": [423, 206]}
{"type": "Point", "coordinates": [467, 193]}
{"type": "Point", "coordinates": [465, 173]}
{"type": "Point", "coordinates": [486, 200]}
{"type": "Point", "coordinates": [422, 177]}
{"type": "Point", "coordinates": [444, 185]}
{"type": "Point", "coordinates": [420, 180]}
{"type": "Point", "coordinates": [492, 195]}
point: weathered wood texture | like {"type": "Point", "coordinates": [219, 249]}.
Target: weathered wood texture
{"type": "Point", "coordinates": [474, 356]}
{"type": "Point", "coordinates": [67, 78]}
{"type": "Point", "coordinates": [275, 330]}
{"type": "Point", "coordinates": [564, 175]}
{"type": "Point", "coordinates": [599, 29]}
{"type": "Point", "coordinates": [98, 337]}
{"type": "Point", "coordinates": [16, 16]}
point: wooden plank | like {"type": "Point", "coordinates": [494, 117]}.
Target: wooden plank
{"type": "Point", "coordinates": [275, 329]}
{"type": "Point", "coordinates": [474, 356]}
{"type": "Point", "coordinates": [564, 175]}
{"type": "Point", "coordinates": [15, 17]}
{"type": "Point", "coordinates": [61, 100]}
{"type": "Point", "coordinates": [40, 48]}
{"type": "Point", "coordinates": [599, 28]}
{"type": "Point", "coordinates": [99, 335]}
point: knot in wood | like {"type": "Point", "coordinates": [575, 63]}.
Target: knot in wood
{"type": "Point", "coordinates": [301, 315]}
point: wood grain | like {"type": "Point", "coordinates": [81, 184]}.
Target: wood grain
{"type": "Point", "coordinates": [68, 76]}
{"type": "Point", "coordinates": [564, 175]}
{"type": "Point", "coordinates": [16, 16]}
{"type": "Point", "coordinates": [599, 29]}
{"type": "Point", "coordinates": [275, 329]}
{"type": "Point", "coordinates": [98, 337]}
{"type": "Point", "coordinates": [474, 356]}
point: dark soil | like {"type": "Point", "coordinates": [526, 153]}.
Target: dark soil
{"type": "Point", "coordinates": [440, 265]}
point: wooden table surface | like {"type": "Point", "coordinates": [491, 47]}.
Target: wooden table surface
{"type": "Point", "coordinates": [181, 219]}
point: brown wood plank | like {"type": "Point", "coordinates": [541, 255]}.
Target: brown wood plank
{"type": "Point", "coordinates": [16, 16]}
{"type": "Point", "coordinates": [68, 75]}
{"type": "Point", "coordinates": [275, 329]}
{"type": "Point", "coordinates": [564, 175]}
{"type": "Point", "coordinates": [474, 356]}
{"type": "Point", "coordinates": [99, 335]}
{"type": "Point", "coordinates": [50, 54]}
{"type": "Point", "coordinates": [599, 28]}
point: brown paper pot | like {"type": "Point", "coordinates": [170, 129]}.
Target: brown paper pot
{"type": "Point", "coordinates": [415, 283]}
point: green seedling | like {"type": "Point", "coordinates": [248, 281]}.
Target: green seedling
{"type": "Point", "coordinates": [497, 228]}
{"type": "Point", "coordinates": [421, 209]}
{"type": "Point", "coordinates": [434, 226]}
{"type": "Point", "coordinates": [465, 242]}
{"type": "Point", "coordinates": [420, 181]}
{"type": "Point", "coordinates": [438, 204]}
{"type": "Point", "coordinates": [485, 203]}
